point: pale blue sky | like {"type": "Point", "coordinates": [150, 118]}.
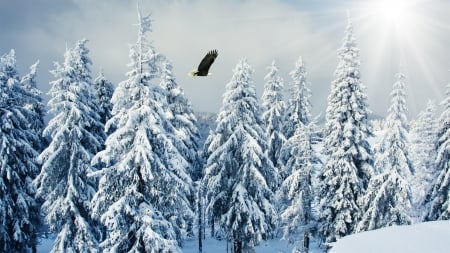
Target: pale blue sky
{"type": "Point", "coordinates": [260, 30]}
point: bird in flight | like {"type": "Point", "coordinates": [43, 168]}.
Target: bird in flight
{"type": "Point", "coordinates": [205, 64]}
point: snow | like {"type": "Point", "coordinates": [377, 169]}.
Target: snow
{"type": "Point", "coordinates": [417, 238]}
{"type": "Point", "coordinates": [45, 244]}
{"type": "Point", "coordinates": [210, 245]}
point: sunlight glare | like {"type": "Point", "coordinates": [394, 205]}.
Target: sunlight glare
{"type": "Point", "coordinates": [396, 14]}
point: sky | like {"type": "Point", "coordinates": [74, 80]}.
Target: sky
{"type": "Point", "coordinates": [392, 35]}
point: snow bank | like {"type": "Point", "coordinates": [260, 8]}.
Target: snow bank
{"type": "Point", "coordinates": [418, 238]}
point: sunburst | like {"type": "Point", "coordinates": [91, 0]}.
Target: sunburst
{"type": "Point", "coordinates": [401, 35]}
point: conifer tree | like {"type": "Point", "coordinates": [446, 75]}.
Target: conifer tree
{"type": "Point", "coordinates": [63, 183]}
{"type": "Point", "coordinates": [423, 151]}
{"type": "Point", "coordinates": [103, 90]}
{"type": "Point", "coordinates": [297, 190]}
{"type": "Point", "coordinates": [34, 104]}
{"type": "Point", "coordinates": [144, 189]}
{"type": "Point", "coordinates": [186, 133]}
{"type": "Point", "coordinates": [239, 177]}
{"type": "Point", "coordinates": [273, 108]}
{"type": "Point", "coordinates": [347, 172]}
{"type": "Point", "coordinates": [388, 199]}
{"type": "Point", "coordinates": [299, 105]}
{"type": "Point", "coordinates": [438, 198]}
{"type": "Point", "coordinates": [19, 212]}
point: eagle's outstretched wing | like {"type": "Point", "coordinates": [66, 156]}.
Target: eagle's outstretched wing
{"type": "Point", "coordinates": [206, 63]}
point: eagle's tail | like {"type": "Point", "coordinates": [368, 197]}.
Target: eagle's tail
{"type": "Point", "coordinates": [193, 73]}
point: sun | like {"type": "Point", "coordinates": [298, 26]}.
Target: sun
{"type": "Point", "coordinates": [401, 35]}
{"type": "Point", "coordinates": [394, 14]}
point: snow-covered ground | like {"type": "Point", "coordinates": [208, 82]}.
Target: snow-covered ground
{"type": "Point", "coordinates": [210, 246]}
{"type": "Point", "coordinates": [427, 237]}
{"type": "Point", "coordinates": [430, 237]}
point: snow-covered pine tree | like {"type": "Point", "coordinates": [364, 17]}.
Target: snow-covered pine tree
{"type": "Point", "coordinates": [103, 90]}
{"type": "Point", "coordinates": [296, 189]}
{"type": "Point", "coordinates": [438, 197]}
{"type": "Point", "coordinates": [349, 167]}
{"type": "Point", "coordinates": [239, 176]}
{"type": "Point", "coordinates": [273, 108]}
{"type": "Point", "coordinates": [186, 133]}
{"type": "Point", "coordinates": [423, 151]}
{"type": "Point", "coordinates": [388, 199]}
{"type": "Point", "coordinates": [19, 212]}
{"type": "Point", "coordinates": [63, 183]}
{"type": "Point", "coordinates": [299, 105]}
{"type": "Point", "coordinates": [34, 104]}
{"type": "Point", "coordinates": [143, 196]}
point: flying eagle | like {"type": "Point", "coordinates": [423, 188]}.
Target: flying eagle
{"type": "Point", "coordinates": [205, 64]}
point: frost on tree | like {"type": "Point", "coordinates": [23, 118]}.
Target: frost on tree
{"type": "Point", "coordinates": [144, 189]}
{"type": "Point", "coordinates": [423, 151]}
{"type": "Point", "coordinates": [239, 176]}
{"type": "Point", "coordinates": [34, 103]}
{"type": "Point", "coordinates": [299, 105]}
{"type": "Point", "coordinates": [103, 90]}
{"type": "Point", "coordinates": [273, 108]}
{"type": "Point", "coordinates": [347, 172]}
{"type": "Point", "coordinates": [298, 111]}
{"type": "Point", "coordinates": [438, 198]}
{"type": "Point", "coordinates": [63, 184]}
{"type": "Point", "coordinates": [296, 190]}
{"type": "Point", "coordinates": [19, 212]}
{"type": "Point", "coordinates": [388, 199]}
{"type": "Point", "coordinates": [184, 122]}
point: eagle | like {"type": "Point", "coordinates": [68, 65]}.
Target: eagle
{"type": "Point", "coordinates": [205, 64]}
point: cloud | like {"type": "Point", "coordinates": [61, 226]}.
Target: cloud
{"type": "Point", "coordinates": [184, 30]}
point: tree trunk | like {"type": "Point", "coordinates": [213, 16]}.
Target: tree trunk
{"type": "Point", "coordinates": [213, 233]}
{"type": "Point", "coordinates": [305, 248]}
{"type": "Point", "coordinates": [200, 223]}
{"type": "Point", "coordinates": [237, 246]}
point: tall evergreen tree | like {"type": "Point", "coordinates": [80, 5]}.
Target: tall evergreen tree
{"type": "Point", "coordinates": [297, 189]}
{"type": "Point", "coordinates": [34, 104]}
{"type": "Point", "coordinates": [19, 212]}
{"type": "Point", "coordinates": [186, 133]}
{"type": "Point", "coordinates": [239, 176]}
{"type": "Point", "coordinates": [273, 108]}
{"type": "Point", "coordinates": [438, 198]}
{"type": "Point", "coordinates": [144, 187]}
{"type": "Point", "coordinates": [299, 105]}
{"type": "Point", "coordinates": [63, 183]}
{"type": "Point", "coordinates": [348, 170]}
{"type": "Point", "coordinates": [388, 199]}
{"type": "Point", "coordinates": [423, 151]}
{"type": "Point", "coordinates": [103, 90]}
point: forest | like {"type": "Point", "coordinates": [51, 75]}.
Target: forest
{"type": "Point", "coordinates": [125, 168]}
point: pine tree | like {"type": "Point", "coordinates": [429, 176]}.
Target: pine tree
{"type": "Point", "coordinates": [143, 196]}
{"type": "Point", "coordinates": [63, 183]}
{"type": "Point", "coordinates": [297, 188]}
{"type": "Point", "coordinates": [299, 105]}
{"type": "Point", "coordinates": [423, 151]}
{"type": "Point", "coordinates": [348, 170]}
{"type": "Point", "coordinates": [273, 108]}
{"type": "Point", "coordinates": [19, 212]}
{"type": "Point", "coordinates": [388, 200]}
{"type": "Point", "coordinates": [186, 133]}
{"type": "Point", "coordinates": [103, 90]}
{"type": "Point", "coordinates": [438, 198]}
{"type": "Point", "coordinates": [34, 104]}
{"type": "Point", "coordinates": [239, 177]}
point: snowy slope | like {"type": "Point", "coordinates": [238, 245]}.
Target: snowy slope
{"type": "Point", "coordinates": [428, 237]}
{"type": "Point", "coordinates": [418, 238]}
